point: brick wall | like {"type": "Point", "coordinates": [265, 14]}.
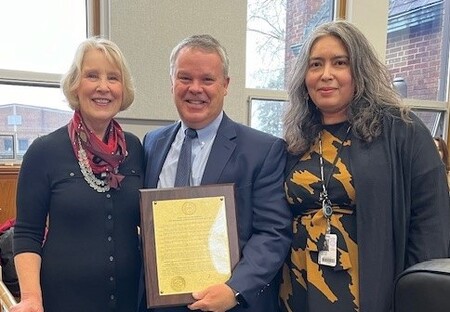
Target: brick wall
{"type": "Point", "coordinates": [35, 121]}
{"type": "Point", "coordinates": [415, 55]}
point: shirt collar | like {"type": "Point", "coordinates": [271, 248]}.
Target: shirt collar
{"type": "Point", "coordinates": [207, 132]}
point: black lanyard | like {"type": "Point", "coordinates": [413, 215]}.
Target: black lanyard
{"type": "Point", "coordinates": [326, 202]}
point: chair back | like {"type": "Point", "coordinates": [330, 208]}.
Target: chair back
{"type": "Point", "coordinates": [424, 287]}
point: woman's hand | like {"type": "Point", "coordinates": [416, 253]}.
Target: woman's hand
{"type": "Point", "coordinates": [30, 304]}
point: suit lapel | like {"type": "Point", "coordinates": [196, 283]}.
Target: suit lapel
{"type": "Point", "coordinates": [221, 151]}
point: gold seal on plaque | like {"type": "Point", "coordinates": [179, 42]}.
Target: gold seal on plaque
{"type": "Point", "coordinates": [178, 283]}
{"type": "Point", "coordinates": [189, 208]}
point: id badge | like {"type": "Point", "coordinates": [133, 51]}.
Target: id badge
{"type": "Point", "coordinates": [329, 257]}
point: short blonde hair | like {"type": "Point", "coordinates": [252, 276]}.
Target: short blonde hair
{"type": "Point", "coordinates": [71, 80]}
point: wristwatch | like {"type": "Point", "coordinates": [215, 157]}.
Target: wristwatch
{"type": "Point", "coordinates": [239, 298]}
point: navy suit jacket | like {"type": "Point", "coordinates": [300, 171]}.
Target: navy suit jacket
{"type": "Point", "coordinates": [254, 161]}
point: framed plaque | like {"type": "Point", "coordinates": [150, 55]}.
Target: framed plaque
{"type": "Point", "coordinates": [189, 239]}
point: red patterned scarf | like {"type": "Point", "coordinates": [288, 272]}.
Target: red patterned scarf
{"type": "Point", "coordinates": [104, 157]}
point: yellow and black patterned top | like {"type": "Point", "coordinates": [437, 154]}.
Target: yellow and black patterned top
{"type": "Point", "coordinates": [307, 285]}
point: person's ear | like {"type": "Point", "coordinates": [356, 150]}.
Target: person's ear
{"type": "Point", "coordinates": [226, 83]}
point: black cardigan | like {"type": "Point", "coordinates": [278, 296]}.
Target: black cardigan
{"type": "Point", "coordinates": [90, 259]}
{"type": "Point", "coordinates": [402, 206]}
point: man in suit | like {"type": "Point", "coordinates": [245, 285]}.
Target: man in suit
{"type": "Point", "coordinates": [224, 151]}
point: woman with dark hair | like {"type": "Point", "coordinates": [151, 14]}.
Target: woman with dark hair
{"type": "Point", "coordinates": [362, 179]}
{"type": "Point", "coordinates": [443, 151]}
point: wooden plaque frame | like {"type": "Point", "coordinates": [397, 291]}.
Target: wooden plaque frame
{"type": "Point", "coordinates": [147, 197]}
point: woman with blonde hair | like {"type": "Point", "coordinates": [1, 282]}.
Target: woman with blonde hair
{"type": "Point", "coordinates": [84, 179]}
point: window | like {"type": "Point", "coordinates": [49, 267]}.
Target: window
{"type": "Point", "coordinates": [417, 54]}
{"type": "Point", "coordinates": [266, 40]}
{"type": "Point", "coordinates": [418, 48]}
{"type": "Point", "coordinates": [6, 146]}
{"type": "Point", "coordinates": [37, 48]}
{"type": "Point", "coordinates": [433, 119]}
{"type": "Point", "coordinates": [23, 145]}
{"type": "Point", "coordinates": [267, 115]}
{"type": "Point", "coordinates": [275, 31]}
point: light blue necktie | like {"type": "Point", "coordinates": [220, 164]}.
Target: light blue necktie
{"type": "Point", "coordinates": [183, 175]}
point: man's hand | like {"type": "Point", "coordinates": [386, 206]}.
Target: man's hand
{"type": "Point", "coordinates": [216, 298]}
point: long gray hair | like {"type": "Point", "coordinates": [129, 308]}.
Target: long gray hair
{"type": "Point", "coordinates": [374, 95]}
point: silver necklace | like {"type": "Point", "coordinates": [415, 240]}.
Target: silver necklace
{"type": "Point", "coordinates": [97, 184]}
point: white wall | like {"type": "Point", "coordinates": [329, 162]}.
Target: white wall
{"type": "Point", "coordinates": [146, 31]}
{"type": "Point", "coordinates": [370, 17]}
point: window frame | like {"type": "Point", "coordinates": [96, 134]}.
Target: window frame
{"type": "Point", "coordinates": [97, 24]}
{"type": "Point", "coordinates": [279, 97]}
{"type": "Point", "coordinates": [97, 20]}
